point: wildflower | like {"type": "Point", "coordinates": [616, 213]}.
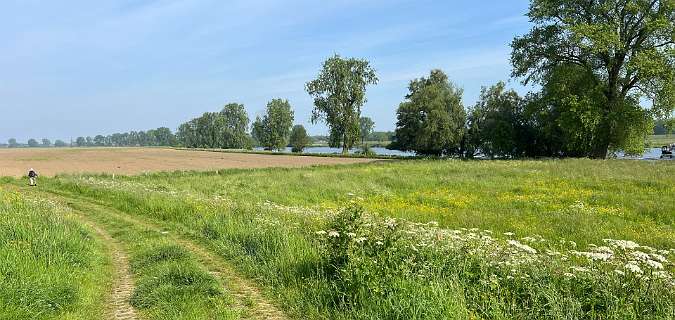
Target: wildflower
{"type": "Point", "coordinates": [632, 267]}
{"type": "Point", "coordinates": [320, 232]}
{"type": "Point", "coordinates": [379, 243]}
{"type": "Point", "coordinates": [521, 246]}
{"type": "Point", "coordinates": [579, 269]}
{"type": "Point", "coordinates": [619, 272]}
{"type": "Point", "coordinates": [390, 223]}
{"type": "Point", "coordinates": [529, 239]}
{"type": "Point", "coordinates": [621, 244]}
{"type": "Point", "coordinates": [593, 255]}
{"type": "Point", "coordinates": [569, 275]}
{"type": "Point", "coordinates": [603, 249]}
{"type": "Point", "coordinates": [509, 234]}
{"type": "Point", "coordinates": [360, 239]}
{"type": "Point", "coordinates": [333, 234]}
{"type": "Point", "coordinates": [658, 257]}
{"type": "Point", "coordinates": [654, 264]}
{"type": "Point", "coordinates": [640, 256]}
{"type": "Point", "coordinates": [351, 234]}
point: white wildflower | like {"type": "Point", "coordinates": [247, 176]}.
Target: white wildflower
{"type": "Point", "coordinates": [569, 275]}
{"type": "Point", "coordinates": [351, 234]}
{"type": "Point", "coordinates": [632, 267]}
{"type": "Point", "coordinates": [620, 272]}
{"type": "Point", "coordinates": [320, 232]}
{"type": "Point", "coordinates": [654, 264]}
{"type": "Point", "coordinates": [658, 257]}
{"type": "Point", "coordinates": [640, 256]}
{"type": "Point", "coordinates": [523, 247]}
{"type": "Point", "coordinates": [509, 234]}
{"type": "Point", "coordinates": [579, 269]}
{"type": "Point", "coordinates": [379, 243]}
{"type": "Point", "coordinates": [593, 255]}
{"type": "Point", "coordinates": [360, 239]}
{"type": "Point", "coordinates": [529, 239]}
{"type": "Point", "coordinates": [333, 234]}
{"type": "Point", "coordinates": [621, 244]}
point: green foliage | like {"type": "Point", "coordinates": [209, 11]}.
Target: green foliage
{"type": "Point", "coordinates": [46, 142]}
{"type": "Point", "coordinates": [225, 129]}
{"type": "Point", "coordinates": [339, 91]}
{"type": "Point", "coordinates": [81, 142]}
{"type": "Point", "coordinates": [431, 120]}
{"type": "Point", "coordinates": [627, 46]}
{"type": "Point", "coordinates": [12, 143]}
{"type": "Point", "coordinates": [366, 126]}
{"type": "Point", "coordinates": [299, 138]}
{"type": "Point", "coordinates": [60, 143]}
{"type": "Point", "coordinates": [33, 143]}
{"type": "Point", "coordinates": [496, 125]}
{"type": "Point", "coordinates": [272, 131]}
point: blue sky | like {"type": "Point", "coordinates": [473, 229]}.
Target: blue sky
{"type": "Point", "coordinates": [81, 67]}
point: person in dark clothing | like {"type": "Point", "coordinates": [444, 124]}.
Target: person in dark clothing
{"type": "Point", "coordinates": [32, 177]}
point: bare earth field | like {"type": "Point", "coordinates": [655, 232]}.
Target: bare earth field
{"type": "Point", "coordinates": [52, 161]}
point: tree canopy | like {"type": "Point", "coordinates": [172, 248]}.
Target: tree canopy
{"type": "Point", "coordinates": [366, 126]}
{"type": "Point", "coordinates": [627, 46]}
{"type": "Point", "coordinates": [339, 91]}
{"type": "Point", "coordinates": [274, 128]}
{"type": "Point", "coordinates": [431, 120]}
{"type": "Point", "coordinates": [299, 138]}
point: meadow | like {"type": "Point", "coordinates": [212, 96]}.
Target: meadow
{"type": "Point", "coordinates": [420, 239]}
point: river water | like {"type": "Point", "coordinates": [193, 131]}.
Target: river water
{"type": "Point", "coordinates": [650, 153]}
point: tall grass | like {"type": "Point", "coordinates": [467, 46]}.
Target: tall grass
{"type": "Point", "coordinates": [542, 256]}
{"type": "Point", "coordinates": [50, 266]}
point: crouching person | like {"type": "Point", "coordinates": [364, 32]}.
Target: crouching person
{"type": "Point", "coordinates": [32, 177]}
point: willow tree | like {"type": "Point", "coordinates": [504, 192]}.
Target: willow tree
{"type": "Point", "coordinates": [629, 46]}
{"type": "Point", "coordinates": [339, 92]}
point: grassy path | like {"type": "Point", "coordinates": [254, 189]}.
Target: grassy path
{"type": "Point", "coordinates": [119, 307]}
{"type": "Point", "coordinates": [248, 299]}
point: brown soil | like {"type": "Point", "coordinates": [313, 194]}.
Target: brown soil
{"type": "Point", "coordinates": [52, 161]}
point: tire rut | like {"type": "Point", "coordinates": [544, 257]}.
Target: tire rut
{"type": "Point", "coordinates": [123, 285]}
{"type": "Point", "coordinates": [247, 295]}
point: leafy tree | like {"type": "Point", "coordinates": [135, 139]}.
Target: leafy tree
{"type": "Point", "coordinates": [33, 143]}
{"type": "Point", "coordinates": [59, 143]}
{"type": "Point", "coordinates": [431, 120]}
{"type": "Point", "coordinates": [497, 126]}
{"type": "Point", "coordinates": [225, 129]}
{"type": "Point", "coordinates": [164, 137]}
{"type": "Point", "coordinates": [274, 129]}
{"type": "Point", "coordinates": [89, 141]}
{"type": "Point", "coordinates": [99, 140]}
{"type": "Point", "coordinates": [233, 121]}
{"type": "Point", "coordinates": [80, 142]}
{"type": "Point", "coordinates": [628, 46]}
{"type": "Point", "coordinates": [339, 91]}
{"type": "Point", "coordinates": [366, 126]}
{"type": "Point", "coordinates": [12, 143]}
{"type": "Point", "coordinates": [46, 142]}
{"type": "Point", "coordinates": [299, 138]}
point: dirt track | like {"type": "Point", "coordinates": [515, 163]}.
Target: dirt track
{"type": "Point", "coordinates": [52, 161]}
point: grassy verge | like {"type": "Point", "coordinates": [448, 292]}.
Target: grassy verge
{"type": "Point", "coordinates": [321, 155]}
{"type": "Point", "coordinates": [51, 267]}
{"type": "Point", "coordinates": [513, 239]}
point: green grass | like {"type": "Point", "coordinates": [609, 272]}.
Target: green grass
{"type": "Point", "coordinates": [170, 282]}
{"type": "Point", "coordinates": [265, 221]}
{"type": "Point", "coordinates": [51, 267]}
{"type": "Point", "coordinates": [288, 229]}
{"type": "Point", "coordinates": [657, 141]}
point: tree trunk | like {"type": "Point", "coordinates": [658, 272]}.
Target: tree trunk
{"type": "Point", "coordinates": [345, 149]}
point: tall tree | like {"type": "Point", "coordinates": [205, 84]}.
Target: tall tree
{"type": "Point", "coordinates": [629, 46]}
{"type": "Point", "coordinates": [339, 91]}
{"type": "Point", "coordinates": [366, 126]}
{"type": "Point", "coordinates": [80, 142]}
{"type": "Point", "coordinates": [276, 124]}
{"type": "Point", "coordinates": [299, 138]}
{"type": "Point", "coordinates": [12, 143]}
{"type": "Point", "coordinates": [33, 143]}
{"type": "Point", "coordinates": [233, 121]}
{"type": "Point", "coordinates": [60, 143]}
{"type": "Point", "coordinates": [46, 142]}
{"type": "Point", "coordinates": [431, 120]}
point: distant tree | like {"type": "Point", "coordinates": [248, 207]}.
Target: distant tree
{"type": "Point", "coordinates": [274, 129]}
{"type": "Point", "coordinates": [46, 142]}
{"type": "Point", "coordinates": [339, 92]}
{"type": "Point", "coordinates": [81, 141]}
{"type": "Point", "coordinates": [60, 143]}
{"type": "Point", "coordinates": [299, 138]}
{"type": "Point", "coordinates": [164, 137]}
{"type": "Point", "coordinates": [497, 123]}
{"type": "Point", "coordinates": [626, 47]}
{"type": "Point", "coordinates": [99, 140]}
{"type": "Point", "coordinates": [233, 121]}
{"type": "Point", "coordinates": [33, 143]}
{"type": "Point", "coordinates": [12, 143]}
{"type": "Point", "coordinates": [258, 131]}
{"type": "Point", "coordinates": [89, 141]}
{"type": "Point", "coordinates": [366, 126]}
{"type": "Point", "coordinates": [431, 120]}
